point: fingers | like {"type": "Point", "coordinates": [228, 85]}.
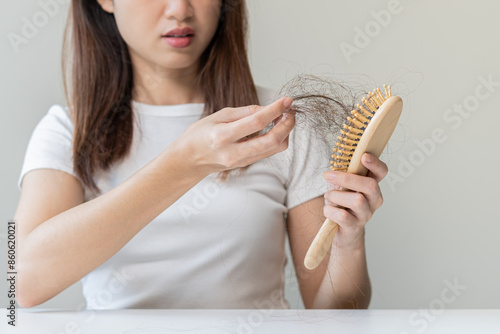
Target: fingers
{"type": "Point", "coordinates": [356, 202]}
{"type": "Point", "coordinates": [257, 120]}
{"type": "Point", "coordinates": [339, 215]}
{"type": "Point", "coordinates": [272, 142]}
{"type": "Point", "coordinates": [378, 169]}
{"type": "Point", "coordinates": [283, 146]}
{"type": "Point", "coordinates": [277, 120]}
{"type": "Point", "coordinates": [228, 115]}
{"type": "Point", "coordinates": [365, 185]}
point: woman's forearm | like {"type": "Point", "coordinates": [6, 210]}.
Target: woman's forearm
{"type": "Point", "coordinates": [68, 246]}
{"type": "Point", "coordinates": [346, 283]}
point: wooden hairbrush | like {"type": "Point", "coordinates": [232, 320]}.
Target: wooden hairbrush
{"type": "Point", "coordinates": [369, 130]}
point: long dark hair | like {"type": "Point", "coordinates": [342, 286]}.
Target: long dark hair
{"type": "Point", "coordinates": [98, 81]}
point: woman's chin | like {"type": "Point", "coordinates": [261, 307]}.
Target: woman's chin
{"type": "Point", "coordinates": [182, 63]}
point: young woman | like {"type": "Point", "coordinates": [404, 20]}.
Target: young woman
{"type": "Point", "coordinates": [128, 188]}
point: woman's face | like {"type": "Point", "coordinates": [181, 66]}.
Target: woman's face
{"type": "Point", "coordinates": [148, 28]}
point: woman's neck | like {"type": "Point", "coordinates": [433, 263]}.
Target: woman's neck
{"type": "Point", "coordinates": [158, 86]}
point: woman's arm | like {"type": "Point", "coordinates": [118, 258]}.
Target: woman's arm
{"type": "Point", "coordinates": [341, 280]}
{"type": "Point", "coordinates": [346, 284]}
{"type": "Point", "coordinates": [56, 252]}
{"type": "Point", "coordinates": [61, 239]}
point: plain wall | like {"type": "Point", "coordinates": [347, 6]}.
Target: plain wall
{"type": "Point", "coordinates": [439, 222]}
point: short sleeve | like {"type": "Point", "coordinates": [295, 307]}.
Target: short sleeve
{"type": "Point", "coordinates": [309, 159]}
{"type": "Point", "coordinates": [50, 145]}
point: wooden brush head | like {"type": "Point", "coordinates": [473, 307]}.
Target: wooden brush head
{"type": "Point", "coordinates": [368, 130]}
{"type": "Point", "coordinates": [377, 134]}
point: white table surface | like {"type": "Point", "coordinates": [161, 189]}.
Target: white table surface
{"type": "Point", "coordinates": [135, 321]}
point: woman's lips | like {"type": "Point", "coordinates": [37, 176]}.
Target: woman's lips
{"type": "Point", "coordinates": [179, 42]}
{"type": "Point", "coordinates": [179, 37]}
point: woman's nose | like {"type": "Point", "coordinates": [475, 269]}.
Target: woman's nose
{"type": "Point", "coordinates": [178, 9]}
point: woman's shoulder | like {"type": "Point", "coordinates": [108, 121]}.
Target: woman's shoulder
{"type": "Point", "coordinates": [56, 123]}
{"type": "Point", "coordinates": [58, 116]}
{"type": "Point", "coordinates": [59, 111]}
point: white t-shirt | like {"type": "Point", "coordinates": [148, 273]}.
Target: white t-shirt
{"type": "Point", "coordinates": [221, 245]}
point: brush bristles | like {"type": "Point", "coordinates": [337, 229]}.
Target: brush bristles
{"type": "Point", "coordinates": [354, 127]}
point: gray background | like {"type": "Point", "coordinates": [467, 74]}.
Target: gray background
{"type": "Point", "coordinates": [439, 223]}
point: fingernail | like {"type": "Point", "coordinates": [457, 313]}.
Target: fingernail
{"type": "Point", "coordinates": [368, 157]}
{"type": "Point", "coordinates": [283, 118]}
{"type": "Point", "coordinates": [287, 102]}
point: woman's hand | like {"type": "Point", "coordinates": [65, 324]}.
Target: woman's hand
{"type": "Point", "coordinates": [359, 205]}
{"type": "Point", "coordinates": [219, 142]}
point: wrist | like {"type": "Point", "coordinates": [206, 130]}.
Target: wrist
{"type": "Point", "coordinates": [185, 161]}
{"type": "Point", "coordinates": [354, 247]}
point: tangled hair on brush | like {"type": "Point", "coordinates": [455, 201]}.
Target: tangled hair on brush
{"type": "Point", "coordinates": [322, 103]}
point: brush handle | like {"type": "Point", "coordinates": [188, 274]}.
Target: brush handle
{"type": "Point", "coordinates": [321, 244]}
{"type": "Point", "coordinates": [323, 241]}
